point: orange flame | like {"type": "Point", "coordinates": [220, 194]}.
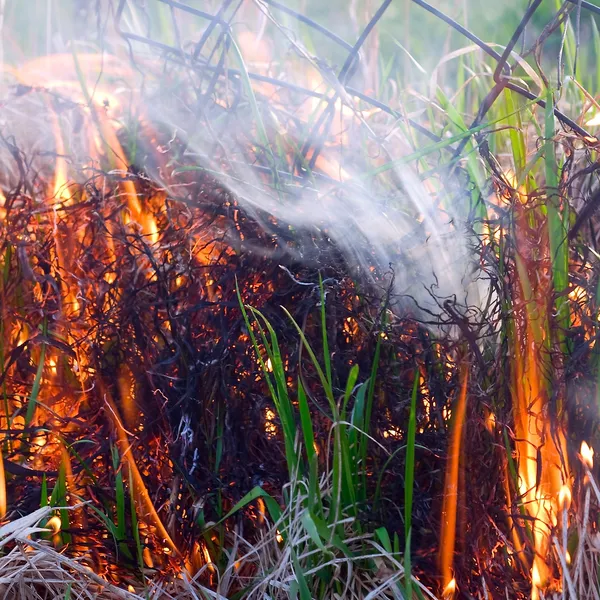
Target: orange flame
{"type": "Point", "coordinates": [449, 508]}
{"type": "Point", "coordinates": [2, 489]}
{"type": "Point", "coordinates": [140, 490]}
{"type": "Point", "coordinates": [540, 446]}
{"type": "Point", "coordinates": [587, 455]}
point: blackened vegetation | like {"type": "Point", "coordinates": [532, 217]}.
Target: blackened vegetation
{"type": "Point", "coordinates": [158, 328]}
{"type": "Point", "coordinates": [154, 326]}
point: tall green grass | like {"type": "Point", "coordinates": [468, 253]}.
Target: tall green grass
{"type": "Point", "coordinates": [327, 488]}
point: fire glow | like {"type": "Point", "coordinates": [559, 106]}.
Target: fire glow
{"type": "Point", "coordinates": [119, 264]}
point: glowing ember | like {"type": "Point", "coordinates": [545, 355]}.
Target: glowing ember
{"type": "Point", "coordinates": [490, 422]}
{"type": "Point", "coordinates": [392, 433]}
{"type": "Point", "coordinates": [270, 425]}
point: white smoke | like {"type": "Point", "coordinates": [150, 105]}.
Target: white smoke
{"type": "Point", "coordinates": [385, 221]}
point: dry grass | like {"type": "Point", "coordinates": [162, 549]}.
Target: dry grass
{"type": "Point", "coordinates": [32, 569]}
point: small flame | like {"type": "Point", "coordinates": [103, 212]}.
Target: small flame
{"type": "Point", "coordinates": [392, 433]}
{"type": "Point", "coordinates": [450, 589]}
{"type": "Point", "coordinates": [261, 510]}
{"type": "Point", "coordinates": [587, 455]}
{"type": "Point", "coordinates": [54, 524]}
{"type": "Point", "coordinates": [208, 560]}
{"type": "Point", "coordinates": [490, 422]}
{"type": "Point", "coordinates": [564, 498]}
{"type": "Point", "coordinates": [40, 440]}
{"type": "Point", "coordinates": [450, 502]}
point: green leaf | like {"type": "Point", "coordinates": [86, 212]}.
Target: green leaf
{"type": "Point", "coordinates": [352, 378]}
{"type": "Point", "coordinates": [119, 494]}
{"type": "Point", "coordinates": [326, 356]}
{"type": "Point", "coordinates": [311, 529]}
{"type": "Point", "coordinates": [384, 537]}
{"type": "Point", "coordinates": [44, 492]}
{"type": "Point", "coordinates": [35, 389]}
{"type": "Point", "coordinates": [300, 579]}
{"type": "Point", "coordinates": [253, 494]}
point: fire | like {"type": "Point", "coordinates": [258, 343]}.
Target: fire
{"type": "Point", "coordinates": [140, 490]}
{"type": "Point", "coordinates": [564, 498]}
{"type": "Point", "coordinates": [261, 511]}
{"type": "Point", "coordinates": [449, 589]}
{"type": "Point", "coordinates": [542, 480]}
{"type": "Point", "coordinates": [490, 421]}
{"type": "Point", "coordinates": [71, 377]}
{"type": "Point", "coordinates": [536, 581]}
{"type": "Point", "coordinates": [587, 455]}
{"type": "Point", "coordinates": [54, 524]}
{"type": "Point", "coordinates": [2, 488]}
{"type": "Point", "coordinates": [449, 510]}
{"type": "Point", "coordinates": [540, 460]}
{"type": "Point", "coordinates": [270, 424]}
{"type": "Point", "coordinates": [539, 438]}
{"type": "Point", "coordinates": [392, 433]}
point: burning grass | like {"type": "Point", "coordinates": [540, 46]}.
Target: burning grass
{"type": "Point", "coordinates": [247, 352]}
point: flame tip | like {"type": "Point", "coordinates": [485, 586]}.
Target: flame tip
{"type": "Point", "coordinates": [587, 454]}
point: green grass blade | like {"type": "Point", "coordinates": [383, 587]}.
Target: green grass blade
{"type": "Point", "coordinates": [517, 139]}
{"type": "Point", "coordinates": [306, 423]}
{"type": "Point", "coordinates": [352, 378]}
{"type": "Point", "coordinates": [557, 231]}
{"type": "Point", "coordinates": [409, 479]}
{"type": "Point", "coordinates": [322, 377]}
{"type": "Point", "coordinates": [44, 492]}
{"type": "Point", "coordinates": [326, 357]}
{"type": "Point", "coordinates": [311, 529]}
{"type": "Point", "coordinates": [366, 423]}
{"type": "Point", "coordinates": [300, 579]}
{"type": "Point", "coordinates": [596, 36]}
{"type": "Point", "coordinates": [119, 494]}
{"type": "Point", "coordinates": [251, 496]}
{"type": "Point", "coordinates": [35, 389]}
{"type": "Point", "coordinates": [136, 530]}
{"type": "Point", "coordinates": [278, 392]}
{"type": "Point", "coordinates": [445, 143]}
